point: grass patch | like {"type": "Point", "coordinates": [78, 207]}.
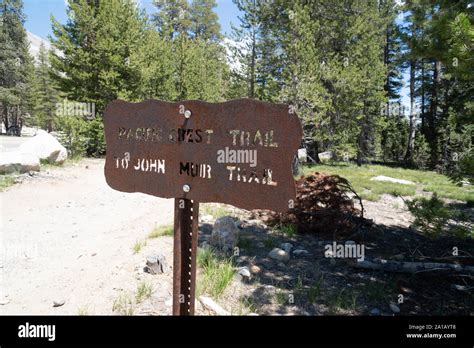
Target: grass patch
{"type": "Point", "coordinates": [6, 181]}
{"type": "Point", "coordinates": [48, 163]}
{"type": "Point", "coordinates": [160, 231]}
{"type": "Point", "coordinates": [215, 210]}
{"type": "Point", "coordinates": [314, 292]}
{"type": "Point", "coordinates": [139, 244]}
{"type": "Point", "coordinates": [344, 299]}
{"type": "Point", "coordinates": [45, 163]}
{"type": "Point", "coordinates": [288, 230]}
{"type": "Point", "coordinates": [123, 304]}
{"type": "Point", "coordinates": [375, 291]}
{"type": "Point", "coordinates": [281, 297]}
{"type": "Point", "coordinates": [144, 291]}
{"type": "Point", "coordinates": [247, 305]}
{"type": "Point", "coordinates": [270, 242]}
{"type": "Point", "coordinates": [217, 273]}
{"type": "Point", "coordinates": [83, 311]}
{"type": "Point", "coordinates": [428, 181]}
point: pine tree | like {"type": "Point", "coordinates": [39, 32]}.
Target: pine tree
{"type": "Point", "coordinates": [45, 93]}
{"type": "Point", "coordinates": [204, 21]}
{"type": "Point", "coordinates": [157, 67]}
{"type": "Point", "coordinates": [198, 68]}
{"type": "Point", "coordinates": [173, 17]}
{"type": "Point", "coordinates": [96, 47]}
{"type": "Point", "coordinates": [16, 67]}
{"type": "Point", "coordinates": [248, 35]}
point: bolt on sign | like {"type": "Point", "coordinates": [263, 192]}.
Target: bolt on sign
{"type": "Point", "coordinates": [237, 152]}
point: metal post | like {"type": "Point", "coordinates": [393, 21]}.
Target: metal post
{"type": "Point", "coordinates": [186, 216]}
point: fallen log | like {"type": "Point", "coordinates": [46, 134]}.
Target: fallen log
{"type": "Point", "coordinates": [410, 267]}
{"type": "Point", "coordinates": [209, 304]}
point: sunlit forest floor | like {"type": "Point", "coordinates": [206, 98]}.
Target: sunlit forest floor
{"type": "Point", "coordinates": [317, 285]}
{"type": "Point", "coordinates": [426, 181]}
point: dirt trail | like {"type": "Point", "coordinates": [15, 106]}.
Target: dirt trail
{"type": "Point", "coordinates": [67, 236]}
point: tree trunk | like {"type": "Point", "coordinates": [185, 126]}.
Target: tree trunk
{"type": "Point", "coordinates": [5, 118]}
{"type": "Point", "coordinates": [432, 136]}
{"type": "Point", "coordinates": [423, 124]}
{"type": "Point", "coordinates": [251, 93]}
{"type": "Point", "coordinates": [312, 150]}
{"type": "Point", "coordinates": [412, 129]}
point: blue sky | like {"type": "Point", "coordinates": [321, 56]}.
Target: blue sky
{"type": "Point", "coordinates": [38, 14]}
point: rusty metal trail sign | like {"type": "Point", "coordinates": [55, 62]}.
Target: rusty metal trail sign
{"type": "Point", "coordinates": [237, 152]}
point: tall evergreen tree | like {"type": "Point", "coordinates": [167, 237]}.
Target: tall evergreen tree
{"type": "Point", "coordinates": [92, 61]}
{"type": "Point", "coordinates": [198, 69]}
{"type": "Point", "coordinates": [204, 21]}
{"type": "Point", "coordinates": [173, 17]}
{"type": "Point", "coordinates": [45, 93]}
{"type": "Point", "coordinates": [247, 33]}
{"type": "Point", "coordinates": [16, 66]}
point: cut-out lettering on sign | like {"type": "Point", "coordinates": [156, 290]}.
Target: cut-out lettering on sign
{"type": "Point", "coordinates": [237, 152]}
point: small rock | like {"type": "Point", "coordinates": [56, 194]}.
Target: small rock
{"type": "Point", "coordinates": [375, 311]}
{"type": "Point", "coordinates": [281, 265]}
{"type": "Point", "coordinates": [286, 246]}
{"type": "Point", "coordinates": [459, 287]}
{"type": "Point", "coordinates": [4, 301]}
{"type": "Point", "coordinates": [279, 255]}
{"type": "Point", "coordinates": [243, 274]}
{"type": "Point", "coordinates": [390, 179]}
{"type": "Point", "coordinates": [260, 245]}
{"type": "Point", "coordinates": [394, 308]}
{"type": "Point", "coordinates": [254, 269]}
{"type": "Point", "coordinates": [225, 234]}
{"type": "Point", "coordinates": [58, 303]}
{"type": "Point", "coordinates": [326, 156]}
{"type": "Point", "coordinates": [45, 146]}
{"type": "Point", "coordinates": [300, 252]}
{"type": "Point", "coordinates": [156, 264]}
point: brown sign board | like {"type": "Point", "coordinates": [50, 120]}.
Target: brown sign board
{"type": "Point", "coordinates": [237, 152]}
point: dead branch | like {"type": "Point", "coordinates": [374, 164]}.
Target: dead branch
{"type": "Point", "coordinates": [410, 267]}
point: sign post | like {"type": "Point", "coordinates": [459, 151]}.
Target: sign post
{"type": "Point", "coordinates": [186, 215]}
{"type": "Point", "coordinates": [238, 152]}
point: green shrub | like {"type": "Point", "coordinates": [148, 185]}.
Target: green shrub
{"type": "Point", "coordinates": [421, 152]}
{"type": "Point", "coordinates": [432, 216]}
{"type": "Point", "coordinates": [94, 133]}
{"type": "Point", "coordinates": [72, 135]}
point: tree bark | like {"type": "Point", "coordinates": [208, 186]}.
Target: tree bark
{"type": "Point", "coordinates": [412, 129]}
